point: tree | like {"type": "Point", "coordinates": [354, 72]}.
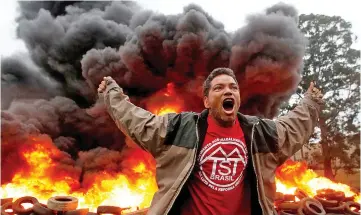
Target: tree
{"type": "Point", "coordinates": [334, 65]}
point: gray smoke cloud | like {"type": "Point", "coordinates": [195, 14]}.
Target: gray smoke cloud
{"type": "Point", "coordinates": [75, 44]}
{"type": "Point", "coordinates": [21, 78]}
{"type": "Point", "coordinates": [268, 52]}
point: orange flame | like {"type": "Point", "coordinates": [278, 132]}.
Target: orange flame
{"type": "Point", "coordinates": [165, 101]}
{"type": "Point", "coordinates": [292, 175]}
{"type": "Point", "coordinates": [40, 181]}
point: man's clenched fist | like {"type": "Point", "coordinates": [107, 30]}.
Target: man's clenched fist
{"type": "Point", "coordinates": [106, 81]}
{"type": "Point", "coordinates": [314, 92]}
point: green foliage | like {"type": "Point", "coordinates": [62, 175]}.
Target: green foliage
{"type": "Point", "coordinates": [335, 67]}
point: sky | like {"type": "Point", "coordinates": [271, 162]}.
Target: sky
{"type": "Point", "coordinates": [231, 13]}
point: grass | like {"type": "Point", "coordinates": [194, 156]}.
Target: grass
{"type": "Point", "coordinates": [341, 177]}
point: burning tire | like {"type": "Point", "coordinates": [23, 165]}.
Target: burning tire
{"type": "Point", "coordinates": [6, 200]}
{"type": "Point", "coordinates": [349, 208]}
{"type": "Point", "coordinates": [19, 209]}
{"type": "Point", "coordinates": [62, 203]}
{"type": "Point", "coordinates": [330, 194]}
{"type": "Point", "coordinates": [349, 199]}
{"type": "Point", "coordinates": [338, 209]}
{"type": "Point", "coordinates": [325, 192]}
{"type": "Point", "coordinates": [301, 194]}
{"type": "Point", "coordinates": [335, 214]}
{"type": "Point", "coordinates": [326, 202]}
{"type": "Point", "coordinates": [289, 198]}
{"type": "Point", "coordinates": [279, 196]}
{"type": "Point", "coordinates": [139, 212]}
{"type": "Point", "coordinates": [311, 206]}
{"type": "Point", "coordinates": [288, 212]}
{"type": "Point", "coordinates": [110, 210]}
{"type": "Point", "coordinates": [41, 209]}
{"type": "Point", "coordinates": [7, 206]}
{"type": "Point", "coordinates": [289, 206]}
{"type": "Point", "coordinates": [83, 211]}
{"type": "Point", "coordinates": [338, 196]}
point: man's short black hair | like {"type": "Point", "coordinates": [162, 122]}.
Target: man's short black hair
{"type": "Point", "coordinates": [216, 72]}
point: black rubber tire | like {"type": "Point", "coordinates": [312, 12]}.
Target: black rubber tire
{"type": "Point", "coordinates": [19, 209]}
{"type": "Point", "coordinates": [337, 195]}
{"type": "Point", "coordinates": [62, 203]}
{"type": "Point", "coordinates": [325, 193]}
{"type": "Point", "coordinates": [315, 210]}
{"type": "Point", "coordinates": [326, 202]}
{"type": "Point", "coordinates": [5, 200]}
{"type": "Point", "coordinates": [338, 209]}
{"type": "Point", "coordinates": [105, 209]}
{"type": "Point", "coordinates": [301, 194]}
{"type": "Point", "coordinates": [305, 207]}
{"type": "Point", "coordinates": [288, 212]}
{"type": "Point", "coordinates": [335, 214]}
{"type": "Point", "coordinates": [83, 211]}
{"type": "Point", "coordinates": [41, 209]}
{"type": "Point", "coordinates": [289, 206]}
{"type": "Point", "coordinates": [139, 212]}
{"type": "Point", "coordinates": [289, 198]}
{"type": "Point", "coordinates": [348, 209]}
{"type": "Point", "coordinates": [6, 206]}
{"type": "Point", "coordinates": [279, 196]}
{"type": "Point", "coordinates": [349, 199]}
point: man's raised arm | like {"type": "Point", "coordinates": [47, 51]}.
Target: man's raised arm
{"type": "Point", "coordinates": [144, 128]}
{"type": "Point", "coordinates": [296, 127]}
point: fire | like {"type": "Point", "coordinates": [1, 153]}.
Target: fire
{"type": "Point", "coordinates": [292, 175]}
{"type": "Point", "coordinates": [41, 179]}
{"type": "Point", "coordinates": [165, 101]}
{"type": "Point", "coordinates": [165, 110]}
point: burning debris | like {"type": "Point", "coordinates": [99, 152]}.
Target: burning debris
{"type": "Point", "coordinates": [66, 205]}
{"type": "Point", "coordinates": [301, 191]}
{"type": "Point", "coordinates": [58, 140]}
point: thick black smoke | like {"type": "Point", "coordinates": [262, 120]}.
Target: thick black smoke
{"type": "Point", "coordinates": [20, 78]}
{"type": "Point", "coordinates": [75, 44]}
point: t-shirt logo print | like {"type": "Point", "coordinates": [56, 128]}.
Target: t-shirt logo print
{"type": "Point", "coordinates": [222, 163]}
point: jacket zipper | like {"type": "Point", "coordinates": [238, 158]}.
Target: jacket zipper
{"type": "Point", "coordinates": [188, 173]}
{"type": "Point", "coordinates": [254, 168]}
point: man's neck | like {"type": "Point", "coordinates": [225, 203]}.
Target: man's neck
{"type": "Point", "coordinates": [222, 123]}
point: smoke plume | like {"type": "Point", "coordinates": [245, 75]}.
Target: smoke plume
{"type": "Point", "coordinates": [73, 45]}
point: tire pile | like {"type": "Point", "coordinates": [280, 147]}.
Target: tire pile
{"type": "Point", "coordinates": [326, 202]}
{"type": "Point", "coordinates": [59, 205]}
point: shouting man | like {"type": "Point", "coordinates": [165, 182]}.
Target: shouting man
{"type": "Point", "coordinates": [218, 161]}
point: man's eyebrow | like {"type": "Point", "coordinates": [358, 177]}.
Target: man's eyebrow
{"type": "Point", "coordinates": [219, 84]}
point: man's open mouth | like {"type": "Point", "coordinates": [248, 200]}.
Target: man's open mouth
{"type": "Point", "coordinates": [228, 105]}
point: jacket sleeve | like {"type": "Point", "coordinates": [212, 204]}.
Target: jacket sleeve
{"type": "Point", "coordinates": [295, 128]}
{"type": "Point", "coordinates": [144, 128]}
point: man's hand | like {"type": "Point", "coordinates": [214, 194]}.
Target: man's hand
{"type": "Point", "coordinates": [314, 92]}
{"type": "Point", "coordinates": [106, 81]}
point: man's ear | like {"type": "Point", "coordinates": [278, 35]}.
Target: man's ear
{"type": "Point", "coordinates": [206, 102]}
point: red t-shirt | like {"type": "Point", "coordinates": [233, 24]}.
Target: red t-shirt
{"type": "Point", "coordinates": [217, 184]}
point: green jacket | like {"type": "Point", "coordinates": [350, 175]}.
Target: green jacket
{"type": "Point", "coordinates": [173, 140]}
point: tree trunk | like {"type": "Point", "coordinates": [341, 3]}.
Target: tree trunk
{"type": "Point", "coordinates": [327, 165]}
